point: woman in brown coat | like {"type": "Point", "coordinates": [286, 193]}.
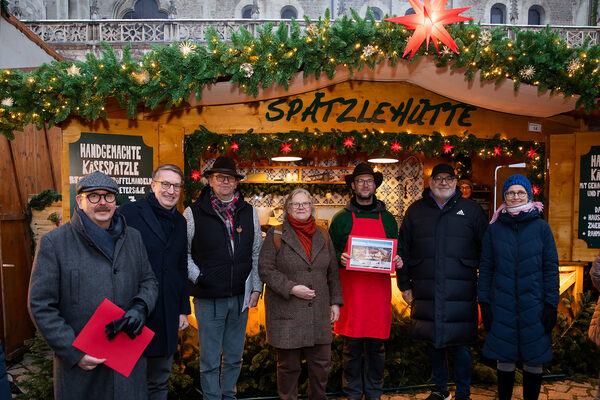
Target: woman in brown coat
{"type": "Point", "coordinates": [298, 264]}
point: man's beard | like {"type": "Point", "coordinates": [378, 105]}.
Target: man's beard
{"type": "Point", "coordinates": [364, 198]}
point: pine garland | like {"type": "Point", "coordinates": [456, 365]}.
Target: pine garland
{"type": "Point", "coordinates": [4, 7]}
{"type": "Point", "coordinates": [170, 74]}
{"type": "Point", "coordinates": [38, 203]}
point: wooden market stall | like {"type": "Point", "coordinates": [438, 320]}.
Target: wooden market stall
{"type": "Point", "coordinates": [417, 99]}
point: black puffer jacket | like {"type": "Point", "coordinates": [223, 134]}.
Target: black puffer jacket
{"type": "Point", "coordinates": [441, 253]}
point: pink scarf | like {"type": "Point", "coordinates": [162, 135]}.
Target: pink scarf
{"type": "Point", "coordinates": [517, 209]}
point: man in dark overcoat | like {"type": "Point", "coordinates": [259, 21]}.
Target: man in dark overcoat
{"type": "Point", "coordinates": [441, 236]}
{"type": "Point", "coordinates": [93, 257]}
{"type": "Point", "coordinates": [163, 230]}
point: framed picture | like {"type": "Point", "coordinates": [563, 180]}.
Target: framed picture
{"type": "Point", "coordinates": [371, 254]}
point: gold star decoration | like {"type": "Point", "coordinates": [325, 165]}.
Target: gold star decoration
{"type": "Point", "coordinates": [573, 66]}
{"type": "Point", "coordinates": [8, 102]}
{"type": "Point", "coordinates": [141, 77]}
{"type": "Point", "coordinates": [186, 47]}
{"type": "Point", "coordinates": [527, 72]}
{"type": "Point", "coordinates": [73, 70]}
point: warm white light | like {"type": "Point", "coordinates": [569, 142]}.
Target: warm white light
{"type": "Point", "coordinates": [383, 160]}
{"type": "Point", "coordinates": [286, 158]}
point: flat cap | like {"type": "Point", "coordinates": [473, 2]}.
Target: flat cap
{"type": "Point", "coordinates": [97, 181]}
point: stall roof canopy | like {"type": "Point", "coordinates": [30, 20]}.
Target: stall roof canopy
{"type": "Point", "coordinates": [21, 48]}
{"type": "Point", "coordinates": [453, 84]}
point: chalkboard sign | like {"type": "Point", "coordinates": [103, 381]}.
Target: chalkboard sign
{"type": "Point", "coordinates": [123, 157]}
{"type": "Point", "coordinates": [589, 198]}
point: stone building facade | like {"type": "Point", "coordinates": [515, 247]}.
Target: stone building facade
{"type": "Point", "coordinates": [517, 12]}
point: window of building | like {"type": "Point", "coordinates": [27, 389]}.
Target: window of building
{"type": "Point", "coordinates": [410, 11]}
{"type": "Point", "coordinates": [498, 14]}
{"type": "Point", "coordinates": [145, 9]}
{"type": "Point", "coordinates": [377, 13]}
{"type": "Point", "coordinates": [534, 16]}
{"type": "Point", "coordinates": [247, 12]}
{"type": "Point", "coordinates": [289, 12]}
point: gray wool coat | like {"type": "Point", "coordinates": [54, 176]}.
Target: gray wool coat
{"type": "Point", "coordinates": [293, 322]}
{"type": "Point", "coordinates": [70, 278]}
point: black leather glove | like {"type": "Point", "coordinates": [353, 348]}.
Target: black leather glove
{"type": "Point", "coordinates": [548, 317]}
{"type": "Point", "coordinates": [486, 316]}
{"type": "Point", "coordinates": [131, 323]}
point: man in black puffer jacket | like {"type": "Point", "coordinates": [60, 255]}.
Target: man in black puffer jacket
{"type": "Point", "coordinates": [441, 240]}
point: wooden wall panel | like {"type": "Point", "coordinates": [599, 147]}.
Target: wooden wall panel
{"type": "Point", "coordinates": [10, 201]}
{"type": "Point", "coordinates": [15, 277]}
{"type": "Point", "coordinates": [54, 140]}
{"type": "Point", "coordinates": [170, 145]}
{"type": "Point", "coordinates": [561, 181]}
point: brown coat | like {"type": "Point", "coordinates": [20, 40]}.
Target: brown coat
{"type": "Point", "coordinates": [293, 322]}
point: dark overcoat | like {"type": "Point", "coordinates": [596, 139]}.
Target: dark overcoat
{"type": "Point", "coordinates": [517, 274]}
{"type": "Point", "coordinates": [168, 257]}
{"type": "Point", "coordinates": [441, 250]}
{"type": "Point", "coordinates": [293, 322]}
{"type": "Point", "coordinates": [71, 276]}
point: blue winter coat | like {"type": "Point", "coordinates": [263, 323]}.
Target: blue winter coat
{"type": "Point", "coordinates": [517, 274]}
{"type": "Point", "coordinates": [168, 257]}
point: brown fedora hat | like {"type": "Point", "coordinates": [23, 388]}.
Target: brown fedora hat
{"type": "Point", "coordinates": [224, 165]}
{"type": "Point", "coordinates": [362, 169]}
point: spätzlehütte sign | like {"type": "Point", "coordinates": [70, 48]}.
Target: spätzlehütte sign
{"type": "Point", "coordinates": [589, 198]}
{"type": "Point", "coordinates": [123, 157]}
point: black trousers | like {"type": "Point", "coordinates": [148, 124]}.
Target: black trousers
{"type": "Point", "coordinates": [363, 377]}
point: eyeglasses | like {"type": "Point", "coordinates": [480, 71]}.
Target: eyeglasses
{"type": "Point", "coordinates": [300, 205]}
{"type": "Point", "coordinates": [449, 179]}
{"type": "Point", "coordinates": [465, 187]}
{"type": "Point", "coordinates": [164, 185]}
{"type": "Point", "coordinates": [224, 178]}
{"type": "Point", "coordinates": [94, 197]}
{"type": "Point", "coordinates": [365, 182]}
{"type": "Point", "coordinates": [520, 194]}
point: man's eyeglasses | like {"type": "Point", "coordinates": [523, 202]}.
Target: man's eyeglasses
{"type": "Point", "coordinates": [300, 205]}
{"type": "Point", "coordinates": [224, 178]}
{"type": "Point", "coordinates": [365, 182]}
{"type": "Point", "coordinates": [94, 197]}
{"type": "Point", "coordinates": [449, 179]}
{"type": "Point", "coordinates": [520, 194]}
{"type": "Point", "coordinates": [164, 185]}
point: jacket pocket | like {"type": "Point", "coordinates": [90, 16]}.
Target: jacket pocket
{"type": "Point", "coordinates": [74, 286]}
{"type": "Point", "coordinates": [469, 262]}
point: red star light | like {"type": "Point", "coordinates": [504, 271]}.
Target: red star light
{"type": "Point", "coordinates": [234, 146]}
{"type": "Point", "coordinates": [428, 23]}
{"type": "Point", "coordinates": [497, 151]}
{"type": "Point", "coordinates": [531, 153]}
{"type": "Point", "coordinates": [349, 142]}
{"type": "Point", "coordinates": [195, 175]}
{"type": "Point", "coordinates": [286, 148]}
{"type": "Point", "coordinates": [447, 148]}
{"type": "Point", "coordinates": [535, 189]}
{"type": "Point", "coordinates": [396, 146]}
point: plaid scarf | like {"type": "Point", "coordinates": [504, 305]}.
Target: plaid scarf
{"type": "Point", "coordinates": [225, 209]}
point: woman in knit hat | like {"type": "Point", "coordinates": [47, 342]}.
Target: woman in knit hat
{"type": "Point", "coordinates": [518, 289]}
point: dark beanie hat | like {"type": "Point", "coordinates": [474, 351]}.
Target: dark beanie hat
{"type": "Point", "coordinates": [518, 179]}
{"type": "Point", "coordinates": [442, 169]}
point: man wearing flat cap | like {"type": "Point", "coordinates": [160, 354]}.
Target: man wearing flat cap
{"type": "Point", "coordinates": [366, 317]}
{"type": "Point", "coordinates": [224, 240]}
{"type": "Point", "coordinates": [441, 237]}
{"type": "Point", "coordinates": [94, 256]}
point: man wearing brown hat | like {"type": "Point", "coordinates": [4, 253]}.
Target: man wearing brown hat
{"type": "Point", "coordinates": [94, 256]}
{"type": "Point", "coordinates": [224, 240]}
{"type": "Point", "coordinates": [441, 237]}
{"type": "Point", "coordinates": [366, 317]}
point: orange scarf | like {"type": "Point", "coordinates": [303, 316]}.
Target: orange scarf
{"type": "Point", "coordinates": [305, 231]}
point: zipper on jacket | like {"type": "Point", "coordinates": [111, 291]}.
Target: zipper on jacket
{"type": "Point", "coordinates": [517, 289]}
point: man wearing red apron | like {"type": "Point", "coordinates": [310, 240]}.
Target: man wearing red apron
{"type": "Point", "coordinates": [366, 317]}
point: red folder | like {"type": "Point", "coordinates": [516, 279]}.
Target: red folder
{"type": "Point", "coordinates": [121, 353]}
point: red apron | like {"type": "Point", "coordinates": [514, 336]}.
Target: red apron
{"type": "Point", "coordinates": [367, 310]}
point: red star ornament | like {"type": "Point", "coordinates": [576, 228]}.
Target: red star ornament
{"type": "Point", "coordinates": [396, 146]}
{"type": "Point", "coordinates": [234, 146]}
{"type": "Point", "coordinates": [497, 151]}
{"type": "Point", "coordinates": [531, 153]}
{"type": "Point", "coordinates": [535, 189]}
{"type": "Point", "coordinates": [195, 175]}
{"type": "Point", "coordinates": [286, 148]}
{"type": "Point", "coordinates": [428, 23]}
{"type": "Point", "coordinates": [447, 148]}
{"type": "Point", "coordinates": [349, 142]}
